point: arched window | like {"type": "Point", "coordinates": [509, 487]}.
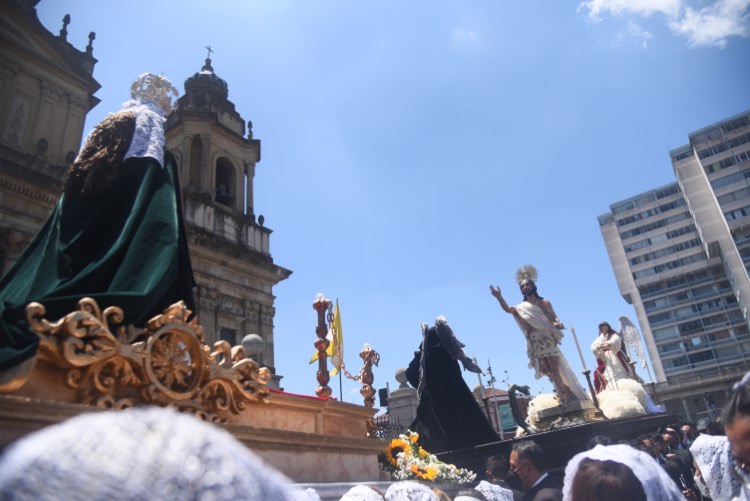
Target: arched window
{"type": "Point", "coordinates": [225, 182]}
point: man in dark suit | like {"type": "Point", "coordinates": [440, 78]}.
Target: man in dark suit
{"type": "Point", "coordinates": [528, 462]}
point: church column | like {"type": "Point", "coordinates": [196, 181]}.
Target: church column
{"type": "Point", "coordinates": [8, 72]}
{"type": "Point", "coordinates": [249, 176]}
{"type": "Point", "coordinates": [74, 120]}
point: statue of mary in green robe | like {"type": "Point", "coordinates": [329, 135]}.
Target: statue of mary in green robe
{"type": "Point", "coordinates": [116, 235]}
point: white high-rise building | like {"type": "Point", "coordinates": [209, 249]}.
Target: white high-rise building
{"type": "Point", "coordinates": [680, 254]}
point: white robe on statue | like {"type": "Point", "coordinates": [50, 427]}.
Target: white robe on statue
{"type": "Point", "coordinates": [543, 341]}
{"type": "Point", "coordinates": [614, 368]}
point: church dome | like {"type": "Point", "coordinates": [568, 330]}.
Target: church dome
{"type": "Point", "coordinates": [206, 79]}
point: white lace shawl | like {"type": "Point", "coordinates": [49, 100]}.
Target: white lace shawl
{"type": "Point", "coordinates": [713, 455]}
{"type": "Point", "coordinates": [655, 481]}
{"type": "Point", "coordinates": [494, 492]}
{"type": "Point", "coordinates": [148, 139]}
{"type": "Point", "coordinates": [409, 490]}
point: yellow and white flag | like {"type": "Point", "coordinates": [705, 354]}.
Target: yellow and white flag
{"type": "Point", "coordinates": [337, 345]}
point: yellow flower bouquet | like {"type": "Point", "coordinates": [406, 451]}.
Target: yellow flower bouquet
{"type": "Point", "coordinates": [408, 460]}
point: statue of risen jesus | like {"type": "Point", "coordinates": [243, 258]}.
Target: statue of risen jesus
{"type": "Point", "coordinates": [543, 331]}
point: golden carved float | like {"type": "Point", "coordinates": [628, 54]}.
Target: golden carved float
{"type": "Point", "coordinates": [111, 365]}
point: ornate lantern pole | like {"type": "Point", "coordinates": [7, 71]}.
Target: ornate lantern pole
{"type": "Point", "coordinates": [322, 305]}
{"type": "Point", "coordinates": [370, 357]}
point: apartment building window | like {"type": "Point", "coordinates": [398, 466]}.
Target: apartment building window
{"type": "Point", "coordinates": [730, 179]}
{"type": "Point", "coordinates": [701, 356]}
{"type": "Point", "coordinates": [669, 190]}
{"type": "Point", "coordinates": [680, 297]}
{"type": "Point", "coordinates": [719, 165]}
{"type": "Point", "coordinates": [656, 224]}
{"type": "Point", "coordinates": [739, 141]}
{"type": "Point", "coordinates": [675, 363]}
{"type": "Point", "coordinates": [669, 347]}
{"type": "Point", "coordinates": [690, 327]}
{"type": "Point", "coordinates": [660, 318]}
{"type": "Point", "coordinates": [726, 353]}
{"type": "Point", "coordinates": [735, 124]}
{"type": "Point", "coordinates": [712, 150]}
{"type": "Point", "coordinates": [735, 195]}
{"type": "Point", "coordinates": [665, 332]}
{"type": "Point", "coordinates": [742, 156]}
{"type": "Point", "coordinates": [719, 335]}
{"type": "Point", "coordinates": [655, 304]}
{"type": "Point", "coordinates": [685, 312]}
{"type": "Point", "coordinates": [737, 213]}
{"type": "Point", "coordinates": [683, 155]}
{"type": "Point", "coordinates": [651, 212]}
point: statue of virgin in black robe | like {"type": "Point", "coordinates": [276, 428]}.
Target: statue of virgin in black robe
{"type": "Point", "coordinates": [116, 235]}
{"type": "Point", "coordinates": [448, 416]}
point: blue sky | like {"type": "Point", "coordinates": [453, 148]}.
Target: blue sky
{"type": "Point", "coordinates": [416, 152]}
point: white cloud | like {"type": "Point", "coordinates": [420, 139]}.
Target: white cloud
{"type": "Point", "coordinates": [712, 25]}
{"type": "Point", "coordinates": [709, 25]}
{"type": "Point", "coordinates": [640, 7]}
{"type": "Point", "coordinates": [634, 30]}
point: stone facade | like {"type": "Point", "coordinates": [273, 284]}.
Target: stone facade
{"type": "Point", "coordinates": [46, 90]}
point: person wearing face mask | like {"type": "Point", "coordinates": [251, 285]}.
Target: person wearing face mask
{"type": "Point", "coordinates": [528, 469]}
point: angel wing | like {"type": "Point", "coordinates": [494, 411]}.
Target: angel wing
{"type": "Point", "coordinates": [632, 338]}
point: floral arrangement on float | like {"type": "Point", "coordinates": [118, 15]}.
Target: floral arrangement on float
{"type": "Point", "coordinates": [407, 460]}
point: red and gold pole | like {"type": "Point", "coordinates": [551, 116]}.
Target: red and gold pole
{"type": "Point", "coordinates": [322, 305]}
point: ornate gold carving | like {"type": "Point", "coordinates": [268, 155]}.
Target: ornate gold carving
{"type": "Point", "coordinates": [166, 363]}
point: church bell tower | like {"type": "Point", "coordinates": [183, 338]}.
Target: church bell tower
{"type": "Point", "coordinates": [229, 245]}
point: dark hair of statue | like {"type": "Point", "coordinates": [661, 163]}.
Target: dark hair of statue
{"type": "Point", "coordinates": [101, 158]}
{"type": "Point", "coordinates": [610, 480]}
{"type": "Point", "coordinates": [738, 405]}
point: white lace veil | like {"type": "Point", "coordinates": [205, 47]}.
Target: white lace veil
{"type": "Point", "coordinates": [148, 139]}
{"type": "Point", "coordinates": [655, 481]}
{"type": "Point", "coordinates": [713, 455]}
{"type": "Point", "coordinates": [141, 453]}
{"type": "Point", "coordinates": [409, 490]}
